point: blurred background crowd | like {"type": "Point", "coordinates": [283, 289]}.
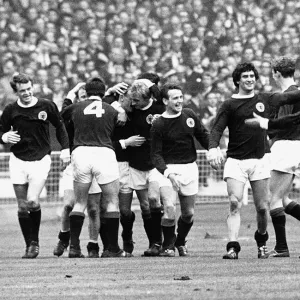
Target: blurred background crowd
{"type": "Point", "coordinates": [194, 42]}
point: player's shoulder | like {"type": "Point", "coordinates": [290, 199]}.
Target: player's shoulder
{"type": "Point", "coordinates": [189, 112]}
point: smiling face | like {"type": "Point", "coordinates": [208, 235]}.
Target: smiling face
{"type": "Point", "coordinates": [25, 92]}
{"type": "Point", "coordinates": [247, 82]}
{"type": "Point", "coordinates": [174, 102]}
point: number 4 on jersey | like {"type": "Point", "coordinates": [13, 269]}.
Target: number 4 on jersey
{"type": "Point", "coordinates": [95, 108]}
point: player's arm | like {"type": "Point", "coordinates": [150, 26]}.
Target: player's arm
{"type": "Point", "coordinates": [71, 96]}
{"type": "Point", "coordinates": [215, 156]}
{"type": "Point", "coordinates": [61, 133]}
{"type": "Point", "coordinates": [279, 99]}
{"type": "Point", "coordinates": [280, 123]}
{"type": "Point", "coordinates": [7, 135]}
{"type": "Point", "coordinates": [201, 133]}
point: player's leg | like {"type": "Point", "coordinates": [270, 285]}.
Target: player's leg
{"type": "Point", "coordinates": [260, 189]}
{"type": "Point", "coordinates": [37, 173]}
{"type": "Point", "coordinates": [103, 230]}
{"type": "Point", "coordinates": [23, 214]}
{"type": "Point", "coordinates": [168, 221]}
{"type": "Point", "coordinates": [156, 210]}
{"type": "Point", "coordinates": [139, 183]}
{"type": "Point", "coordinates": [280, 186]}
{"type": "Point", "coordinates": [111, 214]}
{"type": "Point", "coordinates": [77, 216]}
{"type": "Point", "coordinates": [69, 201]}
{"type": "Point", "coordinates": [93, 211]}
{"type": "Point", "coordinates": [127, 216]}
{"type": "Point", "coordinates": [235, 190]}
{"type": "Point", "coordinates": [185, 222]}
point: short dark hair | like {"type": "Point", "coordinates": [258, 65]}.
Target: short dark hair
{"type": "Point", "coordinates": [19, 78]}
{"type": "Point", "coordinates": [95, 87]}
{"type": "Point", "coordinates": [169, 86]}
{"type": "Point", "coordinates": [285, 65]}
{"type": "Point", "coordinates": [241, 68]}
{"type": "Point", "coordinates": [153, 77]}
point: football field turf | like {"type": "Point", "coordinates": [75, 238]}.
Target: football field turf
{"type": "Point", "coordinates": [203, 275]}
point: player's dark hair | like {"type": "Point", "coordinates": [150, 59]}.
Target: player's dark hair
{"type": "Point", "coordinates": [154, 89]}
{"type": "Point", "coordinates": [168, 86]}
{"type": "Point", "coordinates": [241, 68]}
{"type": "Point", "coordinates": [19, 78]}
{"type": "Point", "coordinates": [95, 87]}
{"type": "Point", "coordinates": [285, 65]}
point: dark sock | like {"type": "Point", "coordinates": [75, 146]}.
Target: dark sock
{"type": "Point", "coordinates": [293, 209]}
{"type": "Point", "coordinates": [76, 223]}
{"type": "Point", "coordinates": [183, 229]}
{"type": "Point", "coordinates": [112, 232]}
{"type": "Point", "coordinates": [148, 227]}
{"type": "Point", "coordinates": [235, 245]}
{"type": "Point", "coordinates": [156, 215]}
{"type": "Point", "coordinates": [261, 238]}
{"type": "Point", "coordinates": [26, 225]}
{"type": "Point", "coordinates": [169, 236]}
{"type": "Point", "coordinates": [64, 237]}
{"type": "Point", "coordinates": [35, 217]}
{"type": "Point", "coordinates": [127, 224]}
{"type": "Point", "coordinates": [279, 220]}
{"type": "Point", "coordinates": [103, 235]}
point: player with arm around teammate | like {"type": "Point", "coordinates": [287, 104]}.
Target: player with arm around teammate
{"type": "Point", "coordinates": [25, 125]}
{"type": "Point", "coordinates": [246, 151]}
{"type": "Point", "coordinates": [174, 155]}
{"type": "Point", "coordinates": [93, 156]}
{"type": "Point", "coordinates": [93, 205]}
{"type": "Point", "coordinates": [285, 157]}
{"type": "Point", "coordinates": [144, 177]}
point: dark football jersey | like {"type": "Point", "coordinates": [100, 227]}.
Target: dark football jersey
{"type": "Point", "coordinates": [246, 142]}
{"type": "Point", "coordinates": [172, 139]}
{"type": "Point", "coordinates": [139, 157]}
{"type": "Point", "coordinates": [32, 124]}
{"type": "Point", "coordinates": [93, 121]}
{"type": "Point", "coordinates": [288, 133]}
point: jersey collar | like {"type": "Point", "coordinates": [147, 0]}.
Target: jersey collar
{"type": "Point", "coordinates": [95, 98]}
{"type": "Point", "coordinates": [34, 102]}
{"type": "Point", "coordinates": [147, 106]}
{"type": "Point", "coordinates": [167, 116]}
{"type": "Point", "coordinates": [236, 96]}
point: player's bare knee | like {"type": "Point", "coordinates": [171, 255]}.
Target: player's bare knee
{"type": "Point", "coordinates": [168, 221]}
{"type": "Point", "coordinates": [68, 208]}
{"type": "Point", "coordinates": [154, 201]}
{"type": "Point", "coordinates": [169, 212]}
{"type": "Point", "coordinates": [125, 212]}
{"type": "Point", "coordinates": [33, 206]}
{"type": "Point", "coordinates": [234, 205]}
{"type": "Point", "coordinates": [187, 218]}
{"type": "Point", "coordinates": [93, 213]}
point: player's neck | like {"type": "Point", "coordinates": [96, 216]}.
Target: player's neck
{"type": "Point", "coordinates": [286, 83]}
{"type": "Point", "coordinates": [244, 94]}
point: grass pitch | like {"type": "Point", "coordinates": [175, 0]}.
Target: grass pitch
{"type": "Point", "coordinates": [203, 275]}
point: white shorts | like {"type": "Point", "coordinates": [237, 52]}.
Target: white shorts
{"type": "Point", "coordinates": [99, 162]}
{"type": "Point", "coordinates": [285, 157]}
{"type": "Point", "coordinates": [139, 180]}
{"type": "Point", "coordinates": [188, 176]}
{"type": "Point", "coordinates": [22, 171]}
{"type": "Point", "coordinates": [124, 177]}
{"type": "Point", "coordinates": [68, 184]}
{"type": "Point", "coordinates": [247, 169]}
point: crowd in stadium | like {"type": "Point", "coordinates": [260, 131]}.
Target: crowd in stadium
{"type": "Point", "coordinates": [196, 43]}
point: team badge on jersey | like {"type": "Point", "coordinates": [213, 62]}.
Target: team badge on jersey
{"type": "Point", "coordinates": [149, 119]}
{"type": "Point", "coordinates": [260, 107]}
{"type": "Point", "coordinates": [190, 122]}
{"type": "Point", "coordinates": [42, 115]}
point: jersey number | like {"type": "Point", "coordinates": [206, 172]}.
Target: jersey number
{"type": "Point", "coordinates": [94, 108]}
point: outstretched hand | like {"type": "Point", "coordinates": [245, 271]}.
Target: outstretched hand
{"type": "Point", "coordinates": [257, 121]}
